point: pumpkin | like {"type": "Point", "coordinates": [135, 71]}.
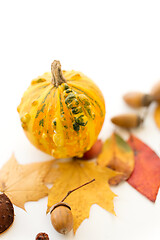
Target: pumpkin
{"type": "Point", "coordinates": [62, 112]}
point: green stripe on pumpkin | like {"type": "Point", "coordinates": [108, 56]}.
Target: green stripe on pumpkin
{"type": "Point", "coordinates": [81, 91]}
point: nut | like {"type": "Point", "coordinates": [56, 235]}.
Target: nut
{"type": "Point", "coordinates": [6, 212]}
{"type": "Point", "coordinates": [42, 236]}
{"type": "Point", "coordinates": [138, 99]}
{"type": "Point", "coordinates": [61, 217]}
{"type": "Point", "coordinates": [127, 120]}
{"type": "Point", "coordinates": [155, 92]}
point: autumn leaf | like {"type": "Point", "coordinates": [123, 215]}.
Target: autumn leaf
{"type": "Point", "coordinates": [146, 175]}
{"type": "Point", "coordinates": [70, 175]}
{"type": "Point", "coordinates": [117, 155]}
{"type": "Point", "coordinates": [23, 183]}
{"type": "Point", "coordinates": [157, 116]}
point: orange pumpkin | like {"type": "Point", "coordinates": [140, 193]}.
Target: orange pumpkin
{"type": "Point", "coordinates": [62, 112]}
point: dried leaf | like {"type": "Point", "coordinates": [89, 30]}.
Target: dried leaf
{"type": "Point", "coordinates": [75, 173]}
{"type": "Point", "coordinates": [23, 183]}
{"type": "Point", "coordinates": [157, 116]}
{"type": "Point", "coordinates": [146, 175]}
{"type": "Point", "coordinates": [117, 155]}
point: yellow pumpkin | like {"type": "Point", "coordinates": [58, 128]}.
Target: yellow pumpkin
{"type": "Point", "coordinates": [62, 112]}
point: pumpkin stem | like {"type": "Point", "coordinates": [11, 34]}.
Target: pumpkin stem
{"type": "Point", "coordinates": [57, 76]}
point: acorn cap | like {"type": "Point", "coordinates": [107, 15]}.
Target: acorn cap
{"type": "Point", "coordinates": [59, 204]}
{"type": "Point", "coordinates": [6, 212]}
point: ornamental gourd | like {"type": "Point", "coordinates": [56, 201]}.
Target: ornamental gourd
{"type": "Point", "coordinates": [62, 112]}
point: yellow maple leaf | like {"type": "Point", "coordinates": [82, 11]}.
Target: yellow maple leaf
{"type": "Point", "coordinates": [23, 183]}
{"type": "Point", "coordinates": [117, 155]}
{"type": "Point", "coordinates": [157, 116]}
{"type": "Point", "coordinates": [69, 175]}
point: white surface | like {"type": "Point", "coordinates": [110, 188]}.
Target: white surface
{"type": "Point", "coordinates": [117, 44]}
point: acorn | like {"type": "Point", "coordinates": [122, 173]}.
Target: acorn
{"type": "Point", "coordinates": [155, 92]}
{"type": "Point", "coordinates": [62, 218]}
{"type": "Point", "coordinates": [6, 213]}
{"type": "Point", "coordinates": [138, 99]}
{"type": "Point", "coordinates": [127, 120]}
{"type": "Point", "coordinates": [61, 215]}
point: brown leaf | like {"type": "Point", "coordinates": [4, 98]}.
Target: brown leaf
{"type": "Point", "coordinates": [23, 183]}
{"type": "Point", "coordinates": [117, 155]}
{"type": "Point", "coordinates": [146, 175]}
{"type": "Point", "coordinates": [70, 175]}
{"type": "Point", "coordinates": [157, 116]}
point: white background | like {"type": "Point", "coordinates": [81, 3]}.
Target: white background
{"type": "Point", "coordinates": [117, 44]}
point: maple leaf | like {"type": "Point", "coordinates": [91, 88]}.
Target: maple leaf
{"type": "Point", "coordinates": [69, 175]}
{"type": "Point", "coordinates": [157, 116]}
{"type": "Point", "coordinates": [23, 183]}
{"type": "Point", "coordinates": [117, 155]}
{"type": "Point", "coordinates": [146, 175]}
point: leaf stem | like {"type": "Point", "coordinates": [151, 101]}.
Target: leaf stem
{"type": "Point", "coordinates": [77, 189]}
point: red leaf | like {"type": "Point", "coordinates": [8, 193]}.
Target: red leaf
{"type": "Point", "coordinates": [146, 175]}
